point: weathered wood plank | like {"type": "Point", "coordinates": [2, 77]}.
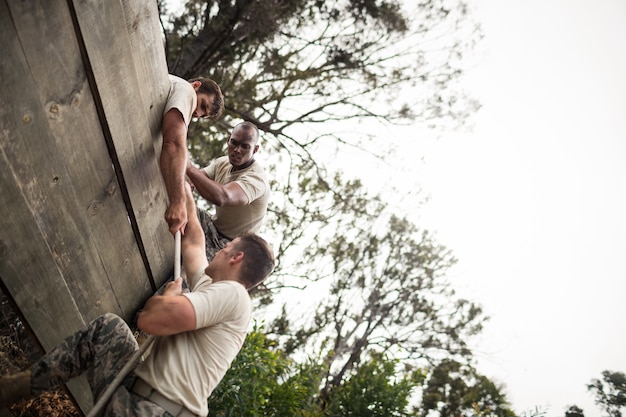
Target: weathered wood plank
{"type": "Point", "coordinates": [36, 255]}
{"type": "Point", "coordinates": [82, 217]}
{"type": "Point", "coordinates": [41, 251]}
{"type": "Point", "coordinates": [81, 191]}
{"type": "Point", "coordinates": [131, 117]}
{"type": "Point", "coordinates": [144, 34]}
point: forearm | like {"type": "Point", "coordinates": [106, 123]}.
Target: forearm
{"type": "Point", "coordinates": [155, 315]}
{"type": "Point", "coordinates": [194, 235]}
{"type": "Point", "coordinates": [210, 190]}
{"type": "Point", "coordinates": [173, 160]}
{"type": "Point", "coordinates": [167, 314]}
{"type": "Point", "coordinates": [193, 242]}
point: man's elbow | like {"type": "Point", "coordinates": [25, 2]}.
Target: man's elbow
{"type": "Point", "coordinates": [172, 146]}
{"type": "Point", "coordinates": [215, 198]}
{"type": "Point", "coordinates": [230, 199]}
{"type": "Point", "coordinates": [153, 328]}
{"type": "Point", "coordinates": [145, 325]}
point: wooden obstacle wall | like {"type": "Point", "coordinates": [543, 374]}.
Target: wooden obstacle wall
{"type": "Point", "coordinates": [82, 87]}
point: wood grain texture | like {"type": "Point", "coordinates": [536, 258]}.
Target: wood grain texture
{"type": "Point", "coordinates": [129, 84]}
{"type": "Point", "coordinates": [83, 87]}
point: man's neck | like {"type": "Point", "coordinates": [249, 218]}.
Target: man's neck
{"type": "Point", "coordinates": [243, 166]}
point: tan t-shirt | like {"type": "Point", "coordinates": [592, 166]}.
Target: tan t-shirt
{"type": "Point", "coordinates": [232, 220]}
{"type": "Point", "coordinates": [187, 367]}
{"type": "Point", "coordinates": [182, 96]}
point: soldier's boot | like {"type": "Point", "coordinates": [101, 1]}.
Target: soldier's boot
{"type": "Point", "coordinates": [14, 388]}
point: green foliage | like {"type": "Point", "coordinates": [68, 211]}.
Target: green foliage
{"type": "Point", "coordinates": [387, 290]}
{"type": "Point", "coordinates": [262, 381]}
{"type": "Point", "coordinates": [610, 392]}
{"type": "Point", "coordinates": [377, 388]}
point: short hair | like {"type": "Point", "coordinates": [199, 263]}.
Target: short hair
{"type": "Point", "coordinates": [258, 260]}
{"type": "Point", "coordinates": [211, 88]}
{"type": "Point", "coordinates": [250, 129]}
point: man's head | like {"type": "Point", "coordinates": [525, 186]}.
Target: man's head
{"type": "Point", "coordinates": [249, 255]}
{"type": "Point", "coordinates": [258, 261]}
{"type": "Point", "coordinates": [243, 144]}
{"type": "Point", "coordinates": [210, 99]}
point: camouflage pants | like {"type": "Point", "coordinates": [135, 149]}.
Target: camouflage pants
{"type": "Point", "coordinates": [213, 239]}
{"type": "Point", "coordinates": [101, 350]}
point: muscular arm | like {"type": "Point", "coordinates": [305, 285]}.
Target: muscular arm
{"type": "Point", "coordinates": [193, 248]}
{"type": "Point", "coordinates": [173, 160]}
{"type": "Point", "coordinates": [230, 194]}
{"type": "Point", "coordinates": [167, 314]}
{"type": "Point", "coordinates": [172, 312]}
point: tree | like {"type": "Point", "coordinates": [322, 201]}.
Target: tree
{"type": "Point", "coordinates": [375, 389]}
{"type": "Point", "coordinates": [285, 64]}
{"type": "Point", "coordinates": [454, 389]}
{"type": "Point", "coordinates": [309, 73]}
{"type": "Point", "coordinates": [610, 392]}
{"type": "Point", "coordinates": [262, 381]}
{"type": "Point", "coordinates": [387, 291]}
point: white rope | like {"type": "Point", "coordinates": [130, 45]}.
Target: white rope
{"type": "Point", "coordinates": [136, 358]}
{"type": "Point", "coordinates": [177, 255]}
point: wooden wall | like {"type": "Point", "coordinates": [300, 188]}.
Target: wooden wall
{"type": "Point", "coordinates": [82, 89]}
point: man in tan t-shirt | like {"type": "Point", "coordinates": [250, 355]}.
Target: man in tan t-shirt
{"type": "Point", "coordinates": [238, 187]}
{"type": "Point", "coordinates": [199, 334]}
{"type": "Point", "coordinates": [198, 97]}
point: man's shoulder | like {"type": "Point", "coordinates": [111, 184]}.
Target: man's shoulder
{"type": "Point", "coordinates": [220, 166]}
{"type": "Point", "coordinates": [180, 86]}
{"type": "Point", "coordinates": [222, 285]}
{"type": "Point", "coordinates": [222, 160]}
{"type": "Point", "coordinates": [256, 172]}
{"type": "Point", "coordinates": [226, 291]}
{"type": "Point", "coordinates": [176, 79]}
{"type": "Point", "coordinates": [256, 169]}
{"type": "Point", "coordinates": [182, 97]}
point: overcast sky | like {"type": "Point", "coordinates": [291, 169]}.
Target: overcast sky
{"type": "Point", "coordinates": [533, 202]}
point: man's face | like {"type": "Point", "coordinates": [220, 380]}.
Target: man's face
{"type": "Point", "coordinates": [204, 106]}
{"type": "Point", "coordinates": [225, 252]}
{"type": "Point", "coordinates": [220, 260]}
{"type": "Point", "coordinates": [241, 147]}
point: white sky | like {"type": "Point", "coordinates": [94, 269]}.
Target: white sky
{"type": "Point", "coordinates": [533, 202]}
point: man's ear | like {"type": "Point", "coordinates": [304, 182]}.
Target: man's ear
{"type": "Point", "coordinates": [237, 257]}
{"type": "Point", "coordinates": [256, 148]}
{"type": "Point", "coordinates": [196, 84]}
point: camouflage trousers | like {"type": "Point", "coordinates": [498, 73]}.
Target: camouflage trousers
{"type": "Point", "coordinates": [101, 349]}
{"type": "Point", "coordinates": [214, 240]}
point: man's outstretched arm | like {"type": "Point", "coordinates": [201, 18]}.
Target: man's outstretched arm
{"type": "Point", "coordinates": [172, 312]}
{"type": "Point", "coordinates": [173, 163]}
{"type": "Point", "coordinates": [193, 248]}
